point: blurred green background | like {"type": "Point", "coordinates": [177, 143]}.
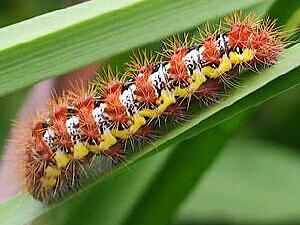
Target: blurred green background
{"type": "Point", "coordinates": [257, 177]}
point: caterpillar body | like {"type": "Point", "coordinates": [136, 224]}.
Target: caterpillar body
{"type": "Point", "coordinates": [97, 121]}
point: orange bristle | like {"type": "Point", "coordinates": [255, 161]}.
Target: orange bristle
{"type": "Point", "coordinates": [178, 70]}
{"type": "Point", "coordinates": [117, 112]}
{"type": "Point", "coordinates": [211, 54]}
{"type": "Point", "coordinates": [144, 89]}
{"type": "Point", "coordinates": [240, 30]}
{"type": "Point", "coordinates": [267, 42]}
{"type": "Point", "coordinates": [84, 108]}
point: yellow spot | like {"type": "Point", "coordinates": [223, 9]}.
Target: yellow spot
{"type": "Point", "coordinates": [51, 172]}
{"type": "Point", "coordinates": [48, 182]}
{"type": "Point", "coordinates": [234, 58]}
{"type": "Point", "coordinates": [80, 150]}
{"type": "Point", "coordinates": [50, 177]}
{"type": "Point", "coordinates": [210, 72]}
{"type": "Point", "coordinates": [108, 140]}
{"type": "Point", "coordinates": [225, 66]}
{"type": "Point", "coordinates": [166, 99]}
{"type": "Point", "coordinates": [182, 92]}
{"type": "Point", "coordinates": [62, 159]}
{"type": "Point", "coordinates": [138, 122]}
{"type": "Point", "coordinates": [150, 113]}
{"type": "Point", "coordinates": [246, 56]}
{"type": "Point", "coordinates": [124, 134]}
{"type": "Point", "coordinates": [94, 148]}
{"type": "Point", "coordinates": [198, 79]}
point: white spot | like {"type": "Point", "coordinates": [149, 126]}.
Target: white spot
{"type": "Point", "coordinates": [128, 99]}
{"type": "Point", "coordinates": [192, 60]}
{"type": "Point", "coordinates": [222, 43]}
{"type": "Point", "coordinates": [73, 128]}
{"type": "Point", "coordinates": [101, 118]}
{"type": "Point", "coordinates": [201, 50]}
{"type": "Point", "coordinates": [49, 136]}
{"type": "Point", "coordinates": [159, 79]}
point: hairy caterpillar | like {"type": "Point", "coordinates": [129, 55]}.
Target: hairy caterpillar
{"type": "Point", "coordinates": [99, 120]}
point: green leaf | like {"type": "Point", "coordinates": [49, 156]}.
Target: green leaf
{"type": "Point", "coordinates": [65, 40]}
{"type": "Point", "coordinates": [12, 11]}
{"type": "Point", "coordinates": [116, 195]}
{"type": "Point", "coordinates": [186, 164]}
{"type": "Point", "coordinates": [19, 209]}
{"type": "Point", "coordinates": [146, 184]}
{"type": "Point", "coordinates": [139, 177]}
{"type": "Point", "coordinates": [253, 182]}
{"type": "Point", "coordinates": [238, 100]}
{"type": "Point", "coordinates": [255, 89]}
{"type": "Point", "coordinates": [9, 108]}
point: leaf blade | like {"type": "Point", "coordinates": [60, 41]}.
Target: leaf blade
{"type": "Point", "coordinates": [186, 164]}
{"type": "Point", "coordinates": [249, 174]}
{"type": "Point", "coordinates": [83, 40]}
{"type": "Point", "coordinates": [282, 77]}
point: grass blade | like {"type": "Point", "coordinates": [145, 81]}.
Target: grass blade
{"type": "Point", "coordinates": [187, 163]}
{"type": "Point", "coordinates": [253, 182]}
{"type": "Point", "coordinates": [254, 90]}
{"type": "Point", "coordinates": [65, 40]}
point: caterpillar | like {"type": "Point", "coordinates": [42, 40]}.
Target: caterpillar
{"type": "Point", "coordinates": [100, 120]}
